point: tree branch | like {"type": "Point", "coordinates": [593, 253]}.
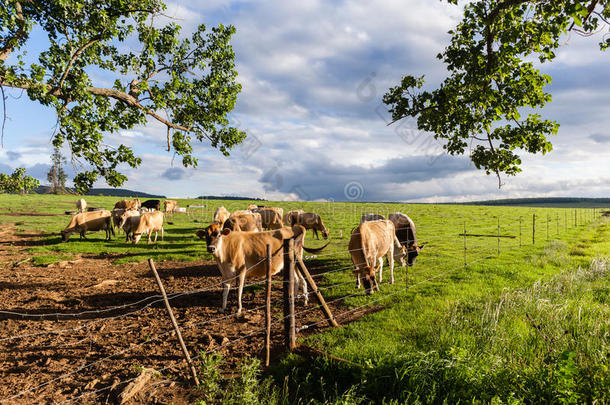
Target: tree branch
{"type": "Point", "coordinates": [73, 58]}
{"type": "Point", "coordinates": [21, 32]}
{"type": "Point", "coordinates": [111, 93]}
{"type": "Point", "coordinates": [590, 9]}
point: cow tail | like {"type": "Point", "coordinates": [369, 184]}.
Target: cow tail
{"type": "Point", "coordinates": [315, 250]}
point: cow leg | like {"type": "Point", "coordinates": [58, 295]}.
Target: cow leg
{"type": "Point", "coordinates": [161, 234]}
{"type": "Point", "coordinates": [358, 286]}
{"type": "Point", "coordinates": [149, 238]}
{"type": "Point", "coordinates": [240, 289]}
{"type": "Point", "coordinates": [380, 269]}
{"type": "Point", "coordinates": [303, 283]}
{"type": "Point", "coordinates": [225, 294]}
{"type": "Point", "coordinates": [156, 234]}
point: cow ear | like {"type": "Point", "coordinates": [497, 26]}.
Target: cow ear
{"type": "Point", "coordinates": [200, 233]}
{"type": "Point", "coordinates": [226, 231]}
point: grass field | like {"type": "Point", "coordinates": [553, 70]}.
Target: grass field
{"type": "Point", "coordinates": [527, 325]}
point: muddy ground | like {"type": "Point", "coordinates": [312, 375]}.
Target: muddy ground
{"type": "Point", "coordinates": [118, 325]}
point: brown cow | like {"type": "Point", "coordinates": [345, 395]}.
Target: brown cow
{"type": "Point", "coordinates": [149, 222]}
{"type": "Point", "coordinates": [370, 241]}
{"type": "Point", "coordinates": [170, 206]}
{"type": "Point", "coordinates": [312, 221]}
{"type": "Point", "coordinates": [128, 204]}
{"type": "Point", "coordinates": [407, 235]}
{"type": "Point", "coordinates": [129, 222]}
{"type": "Point", "coordinates": [241, 254]}
{"type": "Point", "coordinates": [292, 217]}
{"type": "Point", "coordinates": [81, 205]}
{"type": "Point", "coordinates": [221, 215]}
{"type": "Point", "coordinates": [244, 221]}
{"type": "Point", "coordinates": [88, 221]}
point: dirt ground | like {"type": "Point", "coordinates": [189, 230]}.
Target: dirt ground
{"type": "Point", "coordinates": [118, 325]}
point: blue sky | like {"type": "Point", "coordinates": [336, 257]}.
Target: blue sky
{"type": "Point", "coordinates": [313, 74]}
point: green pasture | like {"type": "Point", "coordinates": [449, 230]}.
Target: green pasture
{"type": "Point", "coordinates": [527, 325]}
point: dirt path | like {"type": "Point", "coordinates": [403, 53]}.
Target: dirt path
{"type": "Point", "coordinates": [117, 325]}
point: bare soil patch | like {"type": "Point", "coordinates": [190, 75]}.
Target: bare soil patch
{"type": "Point", "coordinates": [90, 325]}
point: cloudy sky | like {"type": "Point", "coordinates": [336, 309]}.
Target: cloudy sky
{"type": "Point", "coordinates": [313, 74]}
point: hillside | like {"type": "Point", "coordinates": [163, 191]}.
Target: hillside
{"type": "Point", "coordinates": [111, 192]}
{"type": "Point", "coordinates": [558, 202]}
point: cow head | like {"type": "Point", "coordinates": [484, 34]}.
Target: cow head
{"type": "Point", "coordinates": [401, 255]}
{"type": "Point", "coordinates": [65, 236]}
{"type": "Point", "coordinates": [413, 252]}
{"type": "Point", "coordinates": [325, 233]}
{"type": "Point", "coordinates": [135, 237]}
{"type": "Point", "coordinates": [367, 275]}
{"type": "Point", "coordinates": [211, 235]}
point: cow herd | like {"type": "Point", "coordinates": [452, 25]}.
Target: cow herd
{"type": "Point", "coordinates": [238, 240]}
{"type": "Point", "coordinates": [132, 216]}
{"type": "Point", "coordinates": [238, 243]}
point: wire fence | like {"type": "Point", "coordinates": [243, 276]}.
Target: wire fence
{"type": "Point", "coordinates": [470, 245]}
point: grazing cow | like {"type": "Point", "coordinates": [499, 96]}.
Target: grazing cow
{"type": "Point", "coordinates": [129, 222]}
{"type": "Point", "coordinates": [241, 254]}
{"type": "Point", "coordinates": [128, 204]}
{"type": "Point", "coordinates": [292, 217]}
{"type": "Point", "coordinates": [149, 222]}
{"type": "Point", "coordinates": [81, 205]}
{"type": "Point", "coordinates": [312, 221]}
{"type": "Point", "coordinates": [246, 221]}
{"type": "Point", "coordinates": [252, 207]}
{"type": "Point", "coordinates": [370, 241]}
{"type": "Point", "coordinates": [221, 215]}
{"type": "Point", "coordinates": [88, 221]}
{"type": "Point", "coordinates": [169, 206]}
{"type": "Point", "coordinates": [371, 217]}
{"type": "Point", "coordinates": [406, 234]}
{"type": "Point", "coordinates": [152, 205]}
{"type": "Point", "coordinates": [271, 217]}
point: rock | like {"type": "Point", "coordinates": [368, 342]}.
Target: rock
{"type": "Point", "coordinates": [91, 384]}
{"type": "Point", "coordinates": [105, 283]}
{"type": "Point", "coordinates": [136, 385]}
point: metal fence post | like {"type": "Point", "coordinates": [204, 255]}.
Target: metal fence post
{"type": "Point", "coordinates": [464, 243]}
{"type": "Point", "coordinates": [520, 218]}
{"type": "Point", "coordinates": [534, 229]}
{"type": "Point", "coordinates": [498, 236]}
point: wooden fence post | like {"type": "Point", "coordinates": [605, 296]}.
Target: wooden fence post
{"type": "Point", "coordinates": [534, 229]}
{"type": "Point", "coordinates": [289, 321]}
{"type": "Point", "coordinates": [187, 357]}
{"type": "Point", "coordinates": [312, 284]}
{"type": "Point", "coordinates": [268, 310]}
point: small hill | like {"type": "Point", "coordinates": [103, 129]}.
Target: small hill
{"type": "Point", "coordinates": [113, 192]}
{"type": "Point", "coordinates": [559, 202]}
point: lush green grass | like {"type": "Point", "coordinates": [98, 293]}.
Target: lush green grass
{"type": "Point", "coordinates": [522, 326]}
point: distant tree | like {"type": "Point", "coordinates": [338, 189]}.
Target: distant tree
{"type": "Point", "coordinates": [17, 182]}
{"type": "Point", "coordinates": [56, 175]}
{"type": "Point", "coordinates": [186, 84]}
{"type": "Point", "coordinates": [485, 105]}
